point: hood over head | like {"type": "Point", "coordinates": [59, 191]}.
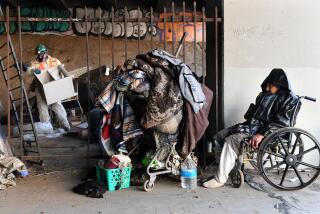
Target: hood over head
{"type": "Point", "coordinates": [278, 78]}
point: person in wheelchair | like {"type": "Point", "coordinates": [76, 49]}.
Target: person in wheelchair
{"type": "Point", "coordinates": [273, 109]}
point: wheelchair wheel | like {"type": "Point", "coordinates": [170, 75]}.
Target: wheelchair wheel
{"type": "Point", "coordinates": [237, 178]}
{"type": "Point", "coordinates": [253, 156]}
{"type": "Point", "coordinates": [289, 159]}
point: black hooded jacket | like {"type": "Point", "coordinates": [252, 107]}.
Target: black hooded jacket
{"type": "Point", "coordinates": [271, 111]}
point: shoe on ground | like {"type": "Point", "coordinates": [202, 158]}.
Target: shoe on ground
{"type": "Point", "coordinates": [213, 183]}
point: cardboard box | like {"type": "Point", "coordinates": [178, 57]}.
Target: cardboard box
{"type": "Point", "coordinates": [55, 87]}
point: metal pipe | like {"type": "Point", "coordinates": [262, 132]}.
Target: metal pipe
{"type": "Point", "coordinates": [8, 81]}
{"type": "Point", "coordinates": [21, 84]}
{"type": "Point", "coordinates": [172, 25]}
{"type": "Point", "coordinates": [112, 37]}
{"type": "Point", "coordinates": [204, 146]}
{"type": "Point", "coordinates": [202, 49]}
{"type": "Point", "coordinates": [125, 34]}
{"type": "Point", "coordinates": [120, 20]}
{"type": "Point", "coordinates": [99, 57]}
{"type": "Point", "coordinates": [138, 30]}
{"type": "Point", "coordinates": [88, 77]}
{"type": "Point", "coordinates": [180, 44]}
{"type": "Point", "coordinates": [216, 67]}
{"type": "Point", "coordinates": [195, 36]}
{"type": "Point", "coordinates": [184, 29]}
{"type": "Point", "coordinates": [151, 26]}
{"type": "Point", "coordinates": [165, 28]}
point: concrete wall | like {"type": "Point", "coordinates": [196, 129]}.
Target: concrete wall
{"type": "Point", "coordinates": [263, 34]}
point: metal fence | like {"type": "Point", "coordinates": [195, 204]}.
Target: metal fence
{"type": "Point", "coordinates": [169, 17]}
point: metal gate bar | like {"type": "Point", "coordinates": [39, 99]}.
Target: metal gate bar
{"type": "Point", "coordinates": [165, 28]}
{"type": "Point", "coordinates": [172, 19]}
{"type": "Point", "coordinates": [99, 56]}
{"type": "Point", "coordinates": [8, 71]}
{"type": "Point", "coordinates": [88, 78]}
{"type": "Point", "coordinates": [138, 30]}
{"type": "Point", "coordinates": [172, 28]}
{"type": "Point", "coordinates": [21, 83]}
{"type": "Point", "coordinates": [184, 29]}
{"type": "Point", "coordinates": [125, 34]}
{"type": "Point", "coordinates": [112, 36]}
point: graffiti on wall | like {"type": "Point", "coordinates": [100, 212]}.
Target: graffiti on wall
{"type": "Point", "coordinates": [40, 12]}
{"type": "Point", "coordinates": [13, 28]}
{"type": "Point", "coordinates": [44, 12]}
{"type": "Point", "coordinates": [177, 30]}
{"type": "Point", "coordinates": [133, 29]}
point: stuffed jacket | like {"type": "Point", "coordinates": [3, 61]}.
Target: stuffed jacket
{"type": "Point", "coordinates": [271, 111]}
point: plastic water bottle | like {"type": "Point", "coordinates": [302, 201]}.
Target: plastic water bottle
{"type": "Point", "coordinates": [188, 174]}
{"type": "Point", "coordinates": [24, 172]}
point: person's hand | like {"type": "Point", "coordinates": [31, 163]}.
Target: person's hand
{"type": "Point", "coordinates": [256, 140]}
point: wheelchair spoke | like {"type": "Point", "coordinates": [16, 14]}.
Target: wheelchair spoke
{"type": "Point", "coordinates": [264, 162]}
{"type": "Point", "coordinates": [280, 152]}
{"type": "Point", "coordinates": [309, 165]}
{"type": "Point", "coordinates": [274, 166]}
{"type": "Point", "coordinates": [298, 174]}
{"type": "Point", "coordinates": [295, 144]}
{"type": "Point", "coordinates": [274, 154]}
{"type": "Point", "coordinates": [284, 175]}
{"type": "Point", "coordinates": [307, 151]}
{"type": "Point", "coordinates": [284, 148]}
{"type": "Point", "coordinates": [271, 162]}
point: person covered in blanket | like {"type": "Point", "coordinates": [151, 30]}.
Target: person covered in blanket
{"type": "Point", "coordinates": [274, 108]}
{"type": "Point", "coordinates": [41, 64]}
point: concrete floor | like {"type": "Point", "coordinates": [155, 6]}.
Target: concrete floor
{"type": "Point", "coordinates": [52, 193]}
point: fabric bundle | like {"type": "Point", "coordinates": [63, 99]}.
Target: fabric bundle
{"type": "Point", "coordinates": [119, 123]}
{"type": "Point", "coordinates": [172, 93]}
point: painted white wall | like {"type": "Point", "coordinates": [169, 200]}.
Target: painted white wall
{"type": "Point", "coordinates": [263, 34]}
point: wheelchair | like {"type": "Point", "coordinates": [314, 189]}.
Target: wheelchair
{"type": "Point", "coordinates": [288, 158]}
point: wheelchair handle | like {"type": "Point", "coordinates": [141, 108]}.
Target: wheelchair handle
{"type": "Point", "coordinates": [309, 98]}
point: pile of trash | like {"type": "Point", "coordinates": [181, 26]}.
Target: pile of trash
{"type": "Point", "coordinates": [154, 103]}
{"type": "Point", "coordinates": [8, 164]}
{"type": "Point", "coordinates": [154, 91]}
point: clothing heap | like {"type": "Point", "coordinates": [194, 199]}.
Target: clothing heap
{"type": "Point", "coordinates": [8, 164]}
{"type": "Point", "coordinates": [165, 83]}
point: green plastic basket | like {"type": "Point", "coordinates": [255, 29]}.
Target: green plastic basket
{"type": "Point", "coordinates": [114, 178]}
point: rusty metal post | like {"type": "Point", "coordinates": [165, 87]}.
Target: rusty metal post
{"type": "Point", "coordinates": [8, 69]}
{"type": "Point", "coordinates": [151, 26]}
{"type": "Point", "coordinates": [99, 57]}
{"type": "Point", "coordinates": [88, 78]}
{"type": "Point", "coordinates": [125, 34]}
{"type": "Point", "coordinates": [21, 84]}
{"type": "Point", "coordinates": [202, 49]}
{"type": "Point", "coordinates": [204, 146]}
{"type": "Point", "coordinates": [195, 35]}
{"type": "Point", "coordinates": [172, 26]}
{"type": "Point", "coordinates": [216, 68]}
{"type": "Point", "coordinates": [165, 28]}
{"type": "Point", "coordinates": [112, 37]}
{"type": "Point", "coordinates": [138, 30]}
{"type": "Point", "coordinates": [184, 29]}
